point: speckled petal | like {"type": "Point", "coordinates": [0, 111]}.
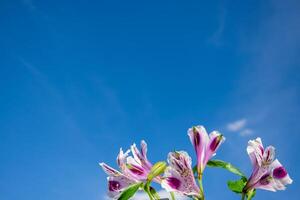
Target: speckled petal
{"type": "Point", "coordinates": [184, 184]}
{"type": "Point", "coordinates": [118, 184]}
{"type": "Point", "coordinates": [179, 176]}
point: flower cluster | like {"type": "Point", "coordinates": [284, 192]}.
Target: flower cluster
{"type": "Point", "coordinates": [268, 173]}
{"type": "Point", "coordinates": [136, 172]}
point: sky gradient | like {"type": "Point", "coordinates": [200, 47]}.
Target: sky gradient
{"type": "Point", "coordinates": [80, 79]}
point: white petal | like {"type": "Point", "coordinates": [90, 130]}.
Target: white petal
{"type": "Point", "coordinates": [269, 155]}
{"type": "Point", "coordinates": [130, 160]}
{"type": "Point", "coordinates": [121, 159]}
{"type": "Point", "coordinates": [136, 153]}
{"type": "Point", "coordinates": [117, 184]}
{"type": "Point", "coordinates": [184, 184]}
{"type": "Point", "coordinates": [284, 180]}
{"type": "Point", "coordinates": [179, 160]}
{"type": "Point", "coordinates": [255, 147]}
{"type": "Point", "coordinates": [109, 170]}
{"type": "Point", "coordinates": [144, 149]}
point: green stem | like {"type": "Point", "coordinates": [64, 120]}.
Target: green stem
{"type": "Point", "coordinates": [243, 196]}
{"type": "Point", "coordinates": [201, 187]}
{"type": "Point", "coordinates": [147, 190]}
{"type": "Point", "coordinates": [172, 195]}
{"type": "Point", "coordinates": [149, 194]}
{"type": "Point", "coordinates": [250, 194]}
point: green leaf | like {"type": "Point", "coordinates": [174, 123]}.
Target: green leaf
{"type": "Point", "coordinates": [157, 169]}
{"type": "Point", "coordinates": [237, 186]}
{"type": "Point", "coordinates": [130, 191]}
{"type": "Point", "coordinates": [225, 165]}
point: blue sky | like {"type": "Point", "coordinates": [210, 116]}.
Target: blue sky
{"type": "Point", "coordinates": [80, 79]}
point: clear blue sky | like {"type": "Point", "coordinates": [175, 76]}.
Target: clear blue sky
{"type": "Point", "coordinates": [79, 79]}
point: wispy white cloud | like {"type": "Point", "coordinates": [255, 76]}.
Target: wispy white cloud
{"type": "Point", "coordinates": [237, 125]}
{"type": "Point", "coordinates": [246, 132]}
{"type": "Point", "coordinates": [240, 126]}
{"type": "Point", "coordinates": [216, 36]}
{"type": "Point", "coordinates": [268, 80]}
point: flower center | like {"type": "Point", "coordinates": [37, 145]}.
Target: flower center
{"type": "Point", "coordinates": [215, 143]}
{"type": "Point", "coordinates": [265, 179]}
{"type": "Point", "coordinates": [136, 169]}
{"type": "Point", "coordinates": [114, 185]}
{"type": "Point", "coordinates": [196, 137]}
{"type": "Point", "coordinates": [174, 182]}
{"type": "Point", "coordinates": [279, 172]}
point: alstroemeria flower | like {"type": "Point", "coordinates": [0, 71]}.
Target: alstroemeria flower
{"type": "Point", "coordinates": [136, 166]}
{"type": "Point", "coordinates": [268, 173]}
{"type": "Point", "coordinates": [117, 182]}
{"type": "Point", "coordinates": [179, 175]}
{"type": "Point", "coordinates": [133, 169]}
{"type": "Point", "coordinates": [205, 145]}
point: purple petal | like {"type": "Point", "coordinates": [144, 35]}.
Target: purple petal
{"type": "Point", "coordinates": [179, 160]}
{"type": "Point", "coordinates": [270, 177]}
{"type": "Point", "coordinates": [118, 184]}
{"type": "Point", "coordinates": [265, 179]}
{"type": "Point", "coordinates": [109, 170]}
{"type": "Point", "coordinates": [182, 183]}
{"type": "Point", "coordinates": [216, 139]}
{"type": "Point", "coordinates": [114, 185]}
{"type": "Point", "coordinates": [141, 158]}
{"type": "Point", "coordinates": [135, 169]}
{"type": "Point", "coordinates": [279, 172]}
{"type": "Point", "coordinates": [199, 138]}
{"type": "Point", "coordinates": [173, 182]}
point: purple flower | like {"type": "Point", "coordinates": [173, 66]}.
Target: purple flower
{"type": "Point", "coordinates": [179, 175]}
{"type": "Point", "coordinates": [205, 145]}
{"type": "Point", "coordinates": [268, 173]}
{"type": "Point", "coordinates": [136, 166]}
{"type": "Point", "coordinates": [117, 182]}
{"type": "Point", "coordinates": [133, 169]}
